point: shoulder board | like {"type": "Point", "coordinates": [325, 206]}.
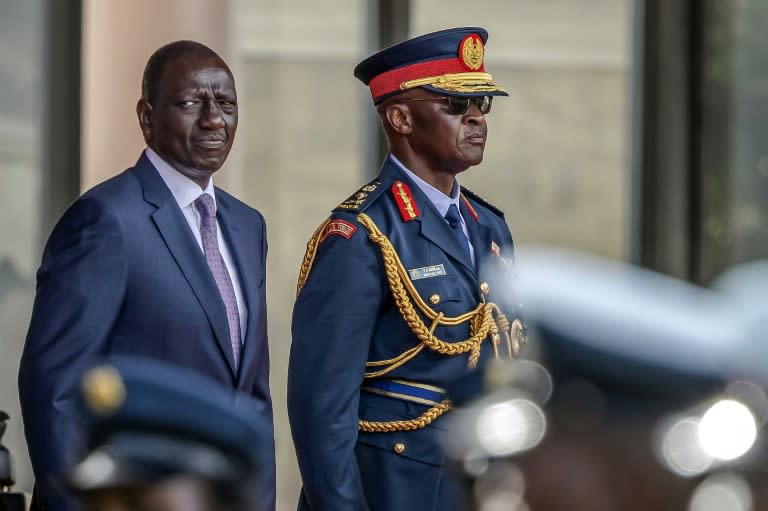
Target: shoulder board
{"type": "Point", "coordinates": [472, 195]}
{"type": "Point", "coordinates": [362, 198]}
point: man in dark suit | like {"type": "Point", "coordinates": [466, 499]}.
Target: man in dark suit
{"type": "Point", "coordinates": [404, 288]}
{"type": "Point", "coordinates": [153, 262]}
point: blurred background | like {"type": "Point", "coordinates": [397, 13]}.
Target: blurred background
{"type": "Point", "coordinates": [634, 131]}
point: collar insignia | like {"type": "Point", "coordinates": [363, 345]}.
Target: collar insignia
{"type": "Point", "coordinates": [405, 202]}
{"type": "Point", "coordinates": [470, 208]}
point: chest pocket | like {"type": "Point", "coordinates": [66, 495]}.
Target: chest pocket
{"type": "Point", "coordinates": [437, 292]}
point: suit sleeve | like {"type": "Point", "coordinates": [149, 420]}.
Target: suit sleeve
{"type": "Point", "coordinates": [333, 324]}
{"type": "Point", "coordinates": [80, 287]}
{"type": "Point", "coordinates": [261, 392]}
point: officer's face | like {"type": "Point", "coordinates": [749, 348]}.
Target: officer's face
{"type": "Point", "coordinates": [177, 494]}
{"type": "Point", "coordinates": [446, 141]}
{"type": "Point", "coordinates": [192, 121]}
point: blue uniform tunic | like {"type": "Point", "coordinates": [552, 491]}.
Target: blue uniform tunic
{"type": "Point", "coordinates": [346, 316]}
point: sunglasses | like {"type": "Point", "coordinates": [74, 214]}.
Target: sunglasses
{"type": "Point", "coordinates": [460, 105]}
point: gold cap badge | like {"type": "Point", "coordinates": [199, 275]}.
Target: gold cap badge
{"type": "Point", "coordinates": [103, 390]}
{"type": "Point", "coordinates": [471, 52]}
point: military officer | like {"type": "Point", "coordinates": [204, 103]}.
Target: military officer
{"type": "Point", "coordinates": [164, 438]}
{"type": "Point", "coordinates": [403, 289]}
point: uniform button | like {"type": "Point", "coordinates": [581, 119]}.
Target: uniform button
{"type": "Point", "coordinates": [399, 448]}
{"type": "Point", "coordinates": [485, 288]}
{"type": "Point", "coordinates": [434, 300]}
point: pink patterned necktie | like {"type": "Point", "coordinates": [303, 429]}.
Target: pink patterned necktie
{"type": "Point", "coordinates": [208, 233]}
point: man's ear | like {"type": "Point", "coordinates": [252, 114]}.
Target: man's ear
{"type": "Point", "coordinates": [399, 118]}
{"type": "Point", "coordinates": [144, 113]}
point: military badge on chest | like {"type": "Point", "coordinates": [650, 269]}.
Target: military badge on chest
{"type": "Point", "coordinates": [507, 263]}
{"type": "Point", "coordinates": [517, 334]}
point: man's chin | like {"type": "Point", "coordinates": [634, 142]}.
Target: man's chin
{"type": "Point", "coordinates": [470, 162]}
{"type": "Point", "coordinates": [197, 172]}
{"type": "Point", "coordinates": [208, 166]}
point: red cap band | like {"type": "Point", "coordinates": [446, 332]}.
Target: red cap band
{"type": "Point", "coordinates": [389, 82]}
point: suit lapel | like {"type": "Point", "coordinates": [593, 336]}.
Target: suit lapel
{"type": "Point", "coordinates": [246, 252]}
{"type": "Point", "coordinates": [174, 229]}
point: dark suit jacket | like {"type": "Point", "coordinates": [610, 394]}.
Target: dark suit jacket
{"type": "Point", "coordinates": [345, 315]}
{"type": "Point", "coordinates": [123, 273]}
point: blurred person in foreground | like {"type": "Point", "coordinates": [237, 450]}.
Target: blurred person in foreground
{"type": "Point", "coordinates": [155, 262]}
{"type": "Point", "coordinates": [163, 438]}
{"type": "Point", "coordinates": [403, 289]}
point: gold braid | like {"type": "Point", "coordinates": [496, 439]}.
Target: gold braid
{"type": "Point", "coordinates": [482, 324]}
{"type": "Point", "coordinates": [309, 255]}
{"type": "Point", "coordinates": [424, 420]}
{"type": "Point", "coordinates": [403, 291]}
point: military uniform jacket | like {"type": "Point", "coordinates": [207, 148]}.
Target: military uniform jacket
{"type": "Point", "coordinates": [346, 316]}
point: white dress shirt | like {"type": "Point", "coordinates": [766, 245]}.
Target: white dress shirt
{"type": "Point", "coordinates": [186, 191]}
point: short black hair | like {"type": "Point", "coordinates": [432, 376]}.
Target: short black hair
{"type": "Point", "coordinates": [153, 71]}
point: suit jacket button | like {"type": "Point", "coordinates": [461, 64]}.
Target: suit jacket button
{"type": "Point", "coordinates": [485, 288]}
{"type": "Point", "coordinates": [399, 448]}
{"type": "Point", "coordinates": [434, 299]}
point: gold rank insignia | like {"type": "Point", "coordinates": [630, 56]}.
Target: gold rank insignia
{"type": "Point", "coordinates": [357, 199]}
{"type": "Point", "coordinates": [103, 390]}
{"type": "Point", "coordinates": [471, 52]}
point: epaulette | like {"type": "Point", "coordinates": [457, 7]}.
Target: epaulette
{"type": "Point", "coordinates": [362, 198]}
{"type": "Point", "coordinates": [472, 195]}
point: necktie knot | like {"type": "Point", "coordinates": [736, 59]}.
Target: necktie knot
{"type": "Point", "coordinates": [205, 206]}
{"type": "Point", "coordinates": [453, 217]}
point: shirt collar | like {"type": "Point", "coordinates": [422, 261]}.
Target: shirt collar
{"type": "Point", "coordinates": [440, 200]}
{"type": "Point", "coordinates": [183, 189]}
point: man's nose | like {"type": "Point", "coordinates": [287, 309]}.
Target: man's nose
{"type": "Point", "coordinates": [474, 115]}
{"type": "Point", "coordinates": [210, 116]}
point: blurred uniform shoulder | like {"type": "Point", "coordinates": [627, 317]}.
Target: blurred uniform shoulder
{"type": "Point", "coordinates": [470, 195]}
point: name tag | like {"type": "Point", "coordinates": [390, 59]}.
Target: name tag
{"type": "Point", "coordinates": [426, 272]}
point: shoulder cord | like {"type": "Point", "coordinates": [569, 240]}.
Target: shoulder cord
{"type": "Point", "coordinates": [309, 255]}
{"type": "Point", "coordinates": [482, 324]}
{"type": "Point", "coordinates": [422, 421]}
{"type": "Point", "coordinates": [405, 295]}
